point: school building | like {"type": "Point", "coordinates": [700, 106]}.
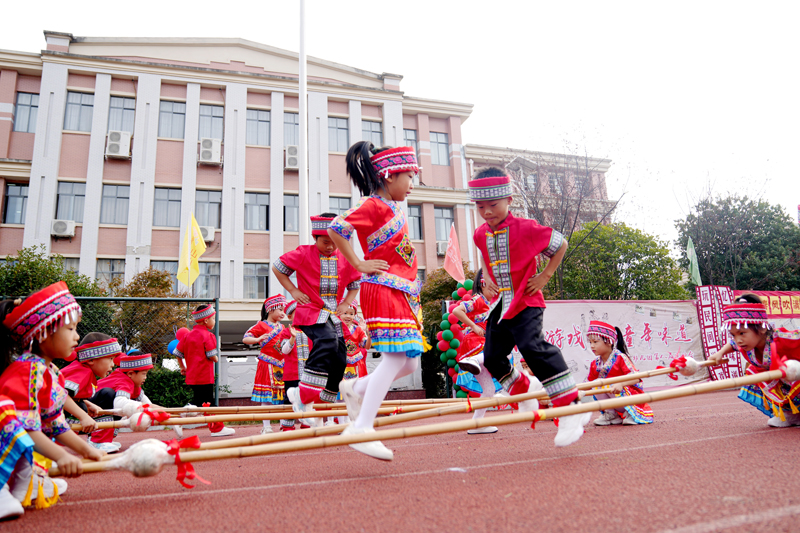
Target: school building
{"type": "Point", "coordinates": [107, 144]}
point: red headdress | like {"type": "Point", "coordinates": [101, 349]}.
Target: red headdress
{"type": "Point", "coordinates": [604, 330]}
{"type": "Point", "coordinates": [204, 313]}
{"type": "Point", "coordinates": [141, 361]}
{"type": "Point", "coordinates": [98, 349]}
{"type": "Point", "coordinates": [319, 225]}
{"type": "Point", "coordinates": [275, 302]}
{"type": "Point", "coordinates": [494, 188]}
{"type": "Point", "coordinates": [395, 161]}
{"type": "Point", "coordinates": [745, 314]}
{"type": "Point", "coordinates": [291, 307]}
{"type": "Point", "coordinates": [42, 313]}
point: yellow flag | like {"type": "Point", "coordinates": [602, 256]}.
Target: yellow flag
{"type": "Point", "coordinates": [193, 247]}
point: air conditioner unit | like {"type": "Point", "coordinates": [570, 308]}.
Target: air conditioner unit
{"type": "Point", "coordinates": [441, 247]}
{"type": "Point", "coordinates": [62, 228]}
{"type": "Point", "coordinates": [118, 144]}
{"type": "Point", "coordinates": [415, 179]}
{"type": "Point", "coordinates": [210, 151]}
{"type": "Point", "coordinates": [208, 233]}
{"type": "Point", "coordinates": [292, 161]}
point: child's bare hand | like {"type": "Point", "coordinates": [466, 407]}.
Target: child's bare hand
{"type": "Point", "coordinates": [477, 330]}
{"type": "Point", "coordinates": [87, 424]}
{"type": "Point", "coordinates": [91, 408]}
{"type": "Point", "coordinates": [342, 308]}
{"type": "Point", "coordinates": [71, 466]}
{"type": "Point", "coordinates": [490, 289]}
{"type": "Point", "coordinates": [373, 266]}
{"type": "Point", "coordinates": [617, 388]}
{"type": "Point", "coordinates": [301, 297]}
{"type": "Point", "coordinates": [536, 283]}
{"type": "Point", "coordinates": [183, 371]}
{"type": "Point", "coordinates": [93, 453]}
{"type": "Point", "coordinates": [716, 358]}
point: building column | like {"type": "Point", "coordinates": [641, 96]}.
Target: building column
{"type": "Point", "coordinates": [276, 187]}
{"type": "Point", "coordinates": [189, 177]}
{"type": "Point", "coordinates": [393, 123]}
{"type": "Point", "coordinates": [424, 147]}
{"type": "Point", "coordinates": [232, 258]}
{"type": "Point", "coordinates": [143, 170]}
{"type": "Point", "coordinates": [94, 177]}
{"type": "Point", "coordinates": [356, 135]}
{"type": "Point", "coordinates": [8, 98]}
{"type": "Point", "coordinates": [318, 184]}
{"type": "Point", "coordinates": [46, 155]}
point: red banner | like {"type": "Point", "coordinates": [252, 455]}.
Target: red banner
{"type": "Point", "coordinates": [780, 304]}
{"type": "Point", "coordinates": [710, 300]}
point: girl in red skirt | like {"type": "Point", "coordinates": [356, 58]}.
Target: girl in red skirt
{"type": "Point", "coordinates": [389, 285]}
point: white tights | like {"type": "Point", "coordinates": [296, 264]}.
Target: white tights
{"type": "Point", "coordinates": [373, 388]}
{"type": "Point", "coordinates": [486, 383]}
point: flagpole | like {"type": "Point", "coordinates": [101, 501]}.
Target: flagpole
{"type": "Point", "coordinates": [190, 229]}
{"type": "Point", "coordinates": [303, 146]}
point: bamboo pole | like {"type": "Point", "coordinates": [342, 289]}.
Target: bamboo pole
{"type": "Point", "coordinates": [461, 425]}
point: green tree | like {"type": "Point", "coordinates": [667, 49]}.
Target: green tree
{"type": "Point", "coordinates": [742, 243]}
{"type": "Point", "coordinates": [32, 269]}
{"type": "Point", "coordinates": [617, 262]}
{"type": "Point", "coordinates": [438, 287]}
{"type": "Point", "coordinates": [148, 325]}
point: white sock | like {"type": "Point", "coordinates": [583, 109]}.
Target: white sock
{"type": "Point", "coordinates": [393, 366]}
{"type": "Point", "coordinates": [487, 385]}
{"type": "Point", "coordinates": [266, 422]}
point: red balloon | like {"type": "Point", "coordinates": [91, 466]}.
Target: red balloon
{"type": "Point", "coordinates": [473, 394]}
{"type": "Point", "coordinates": [453, 319]}
{"type": "Point", "coordinates": [181, 333]}
{"type": "Point", "coordinates": [443, 346]}
{"type": "Point", "coordinates": [467, 295]}
{"type": "Point", "coordinates": [455, 328]}
{"type": "Point", "coordinates": [451, 372]}
{"type": "Point", "coordinates": [461, 292]}
{"type": "Point", "coordinates": [450, 309]}
{"type": "Point", "coordinates": [439, 336]}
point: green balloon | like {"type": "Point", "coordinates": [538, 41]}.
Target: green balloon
{"type": "Point", "coordinates": [445, 316]}
{"type": "Point", "coordinates": [451, 363]}
{"type": "Point", "coordinates": [445, 325]}
{"type": "Point", "coordinates": [455, 343]}
{"type": "Point", "coordinates": [468, 284]}
{"type": "Point", "coordinates": [443, 358]}
{"type": "Point", "coordinates": [447, 335]}
{"type": "Point", "coordinates": [461, 394]}
{"type": "Point", "coordinates": [451, 353]}
{"type": "Point", "coordinates": [460, 286]}
{"type": "Point", "coordinates": [458, 368]}
{"type": "Point", "coordinates": [455, 295]}
{"type": "Point", "coordinates": [456, 388]}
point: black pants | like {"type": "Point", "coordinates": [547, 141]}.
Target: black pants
{"type": "Point", "coordinates": [327, 360]}
{"type": "Point", "coordinates": [525, 332]}
{"type": "Point", "coordinates": [202, 394]}
{"type": "Point", "coordinates": [288, 422]}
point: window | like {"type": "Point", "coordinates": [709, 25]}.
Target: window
{"type": "Point", "coordinates": [291, 129]}
{"type": "Point", "coordinates": [167, 208]}
{"type": "Point", "coordinates": [338, 135]}
{"type": "Point", "coordinates": [555, 180]}
{"type": "Point", "coordinates": [421, 274]}
{"type": "Point", "coordinates": [415, 222]}
{"type": "Point", "coordinates": [69, 204]}
{"type": "Point", "coordinates": [291, 212]}
{"type": "Point", "coordinates": [16, 203]}
{"type": "Point", "coordinates": [78, 116]}
{"type": "Point", "coordinates": [207, 283]}
{"type": "Point", "coordinates": [444, 219]}
{"type": "Point", "coordinates": [372, 132]}
{"type": "Point", "coordinates": [582, 185]}
{"type": "Point", "coordinates": [26, 112]}
{"type": "Point", "coordinates": [256, 280]}
{"type": "Point", "coordinates": [110, 269]}
{"type": "Point", "coordinates": [440, 149]}
{"type": "Point", "coordinates": [256, 211]}
{"type": "Point", "coordinates": [257, 127]}
{"type": "Point", "coordinates": [208, 208]}
{"type": "Point", "coordinates": [171, 120]}
{"type": "Point", "coordinates": [114, 208]}
{"type": "Point", "coordinates": [211, 122]}
{"type": "Point", "coordinates": [410, 139]}
{"type": "Point", "coordinates": [533, 181]}
{"type": "Point", "coordinates": [338, 205]}
{"type": "Point", "coordinates": [72, 263]}
{"type": "Point", "coordinates": [172, 268]}
{"type": "Point", "coordinates": [120, 114]}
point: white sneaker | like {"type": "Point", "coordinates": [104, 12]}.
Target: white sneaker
{"type": "Point", "coordinates": [609, 417]}
{"type": "Point", "coordinates": [351, 399]}
{"type": "Point", "coordinates": [9, 505]}
{"type": "Point", "coordinates": [266, 429]}
{"type": "Point", "coordinates": [533, 404]}
{"type": "Point", "coordinates": [627, 420]}
{"type": "Point", "coordinates": [108, 447]}
{"type": "Point", "coordinates": [570, 428]}
{"type": "Point", "coordinates": [61, 485]}
{"type": "Point", "coordinates": [299, 407]}
{"type": "Point", "coordinates": [330, 423]}
{"type": "Point", "coordinates": [178, 431]}
{"type": "Point", "coordinates": [189, 414]}
{"type": "Point", "coordinates": [224, 432]}
{"type": "Point", "coordinates": [471, 365]}
{"type": "Point", "coordinates": [373, 448]}
{"type": "Point", "coordinates": [482, 431]}
{"type": "Point", "coordinates": [791, 420]}
{"type": "Point", "coordinates": [24, 477]}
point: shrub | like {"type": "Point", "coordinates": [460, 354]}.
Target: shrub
{"type": "Point", "coordinates": [167, 388]}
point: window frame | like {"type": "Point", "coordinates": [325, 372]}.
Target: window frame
{"type": "Point", "coordinates": [72, 195]}
{"type": "Point", "coordinates": [23, 187]}
{"type": "Point", "coordinates": [214, 278]}
{"type": "Point", "coordinates": [338, 209]}
{"type": "Point", "coordinates": [336, 130]}
{"type": "Point", "coordinates": [256, 122]}
{"type": "Point", "coordinates": [85, 111]}
{"type": "Point", "coordinates": [436, 218]}
{"type": "Point", "coordinates": [291, 129]}
{"type": "Point", "coordinates": [173, 275]}
{"type": "Point", "coordinates": [295, 209]}
{"type": "Point", "coordinates": [212, 122]}
{"type": "Point", "coordinates": [258, 278]}
{"type": "Point", "coordinates": [119, 202]}
{"type": "Point", "coordinates": [415, 222]}
{"type": "Point", "coordinates": [31, 115]}
{"type": "Point", "coordinates": [112, 273]}
{"type": "Point", "coordinates": [248, 208]}
{"type": "Point", "coordinates": [162, 113]}
{"type": "Point", "coordinates": [367, 135]}
{"type": "Point", "coordinates": [126, 113]}
{"type": "Point", "coordinates": [414, 143]}
{"type": "Point", "coordinates": [204, 215]}
{"type": "Point", "coordinates": [169, 201]}
{"type": "Point", "coordinates": [437, 145]}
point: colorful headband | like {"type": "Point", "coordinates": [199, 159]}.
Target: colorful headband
{"type": "Point", "coordinates": [291, 307]}
{"type": "Point", "coordinates": [136, 362]}
{"type": "Point", "coordinates": [744, 314]}
{"type": "Point", "coordinates": [42, 313]}
{"type": "Point", "coordinates": [319, 225]}
{"type": "Point", "coordinates": [354, 305]}
{"type": "Point", "coordinates": [601, 329]}
{"type": "Point", "coordinates": [204, 313]}
{"type": "Point", "coordinates": [394, 161]}
{"type": "Point", "coordinates": [275, 302]}
{"type": "Point", "coordinates": [96, 350]}
{"type": "Point", "coordinates": [493, 188]}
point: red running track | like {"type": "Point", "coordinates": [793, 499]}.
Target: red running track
{"type": "Point", "coordinates": [709, 463]}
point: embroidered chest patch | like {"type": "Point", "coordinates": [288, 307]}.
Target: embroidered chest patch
{"type": "Point", "coordinates": [406, 250]}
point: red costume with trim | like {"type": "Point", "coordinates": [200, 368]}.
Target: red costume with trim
{"type": "Point", "coordinates": [196, 349]}
{"type": "Point", "coordinates": [356, 348]}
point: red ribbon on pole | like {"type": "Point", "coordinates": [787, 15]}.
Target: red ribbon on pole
{"type": "Point", "coordinates": [185, 470]}
{"type": "Point", "coordinates": [214, 427]}
{"type": "Point", "coordinates": [159, 416]}
{"type": "Point", "coordinates": [536, 418]}
{"type": "Point", "coordinates": [677, 364]}
{"type": "Point", "coordinates": [397, 410]}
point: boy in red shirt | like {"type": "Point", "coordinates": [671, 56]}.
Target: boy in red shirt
{"type": "Point", "coordinates": [197, 353]}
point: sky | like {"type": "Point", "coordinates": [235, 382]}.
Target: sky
{"type": "Point", "coordinates": [685, 98]}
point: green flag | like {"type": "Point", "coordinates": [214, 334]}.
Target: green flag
{"type": "Point", "coordinates": [694, 269]}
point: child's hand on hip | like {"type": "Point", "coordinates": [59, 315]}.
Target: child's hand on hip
{"type": "Point", "coordinates": [373, 266]}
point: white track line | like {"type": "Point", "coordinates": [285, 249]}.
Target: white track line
{"type": "Point", "coordinates": [283, 486]}
{"type": "Point", "coordinates": [738, 520]}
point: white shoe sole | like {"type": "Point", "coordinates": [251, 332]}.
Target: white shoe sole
{"type": "Point", "coordinates": [227, 432]}
{"type": "Point", "coordinates": [482, 431]}
{"type": "Point", "coordinates": [352, 401]}
{"type": "Point", "coordinates": [374, 448]}
{"type": "Point", "coordinates": [571, 431]}
{"type": "Point", "coordinates": [470, 366]}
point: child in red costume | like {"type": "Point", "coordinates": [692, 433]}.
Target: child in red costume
{"type": "Point", "coordinates": [268, 383]}
{"type": "Point", "coordinates": [197, 352]}
{"type": "Point", "coordinates": [358, 342]}
{"type": "Point", "coordinates": [295, 347]}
